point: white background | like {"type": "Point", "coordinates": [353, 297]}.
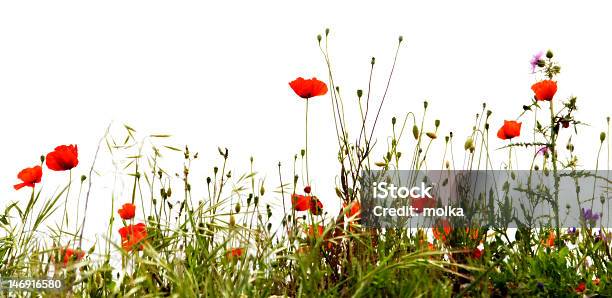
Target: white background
{"type": "Point", "coordinates": [216, 72]}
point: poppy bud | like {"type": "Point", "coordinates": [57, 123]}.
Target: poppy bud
{"type": "Point", "coordinates": [469, 143]}
{"type": "Point", "coordinates": [373, 61]}
{"type": "Point", "coordinates": [237, 207]}
{"type": "Point", "coordinates": [208, 180]}
{"type": "Point", "coordinates": [302, 152]}
{"type": "Point", "coordinates": [489, 112]}
{"type": "Point", "coordinates": [425, 104]}
{"type": "Point", "coordinates": [486, 126]}
{"type": "Point", "coordinates": [232, 221]}
{"type": "Point", "coordinates": [359, 93]}
{"type": "Point", "coordinates": [326, 31]}
{"type": "Point", "coordinates": [319, 38]}
{"type": "Point", "coordinates": [437, 122]}
{"type": "Point", "coordinates": [215, 170]}
{"type": "Point", "coordinates": [431, 135]}
{"type": "Point", "coordinates": [398, 154]}
{"type": "Point", "coordinates": [446, 138]}
{"type": "Point", "coordinates": [83, 177]}
{"type": "Point", "coordinates": [401, 38]}
{"type": "Point", "coordinates": [602, 136]}
{"type": "Point", "coordinates": [447, 164]}
{"type": "Point", "coordinates": [536, 167]}
{"type": "Point", "coordinates": [42, 158]}
{"type": "Point", "coordinates": [338, 193]}
{"type": "Point", "coordinates": [549, 54]}
{"type": "Point", "coordinates": [307, 189]}
{"type": "Point", "coordinates": [393, 120]}
{"type": "Point", "coordinates": [415, 132]}
{"type": "Point", "coordinates": [541, 63]}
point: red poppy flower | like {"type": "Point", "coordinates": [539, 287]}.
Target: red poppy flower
{"type": "Point", "coordinates": [127, 211]}
{"type": "Point", "coordinates": [354, 210]}
{"type": "Point", "coordinates": [29, 176]}
{"type": "Point", "coordinates": [132, 235]}
{"type": "Point", "coordinates": [69, 255]}
{"type": "Point", "coordinates": [477, 253]}
{"type": "Point", "coordinates": [565, 123]}
{"type": "Point", "coordinates": [442, 230]}
{"type": "Point", "coordinates": [472, 234]}
{"type": "Point", "coordinates": [308, 88]}
{"type": "Point", "coordinates": [311, 231]}
{"type": "Point", "coordinates": [300, 202]}
{"type": "Point", "coordinates": [63, 158]}
{"type": "Point", "coordinates": [316, 207]}
{"type": "Point", "coordinates": [544, 90]}
{"type": "Point", "coordinates": [510, 130]}
{"type": "Point", "coordinates": [420, 203]}
{"type": "Point", "coordinates": [581, 287]}
{"type": "Point", "coordinates": [550, 241]}
{"type": "Point", "coordinates": [235, 253]}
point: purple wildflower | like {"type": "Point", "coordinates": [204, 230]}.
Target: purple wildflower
{"type": "Point", "coordinates": [589, 216]}
{"type": "Point", "coordinates": [534, 61]}
{"type": "Point", "coordinates": [571, 230]}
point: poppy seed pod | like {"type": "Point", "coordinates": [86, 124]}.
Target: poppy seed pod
{"type": "Point", "coordinates": [415, 132]}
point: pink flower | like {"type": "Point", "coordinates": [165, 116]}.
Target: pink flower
{"type": "Point", "coordinates": [535, 60]}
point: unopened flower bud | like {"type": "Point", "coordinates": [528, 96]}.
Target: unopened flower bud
{"type": "Point", "coordinates": [237, 207]}
{"type": "Point", "coordinates": [437, 122]}
{"type": "Point", "coordinates": [319, 38]}
{"type": "Point", "coordinates": [373, 61]}
{"type": "Point", "coordinates": [541, 63]}
{"type": "Point", "coordinates": [549, 54]}
{"type": "Point", "coordinates": [393, 120]}
{"type": "Point", "coordinates": [307, 189]}
{"type": "Point", "coordinates": [602, 136]}
{"type": "Point", "coordinates": [401, 38]}
{"type": "Point", "coordinates": [359, 93]}
{"type": "Point", "coordinates": [469, 143]}
{"type": "Point", "coordinates": [425, 104]}
{"type": "Point", "coordinates": [431, 135]}
{"type": "Point", "coordinates": [415, 132]}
